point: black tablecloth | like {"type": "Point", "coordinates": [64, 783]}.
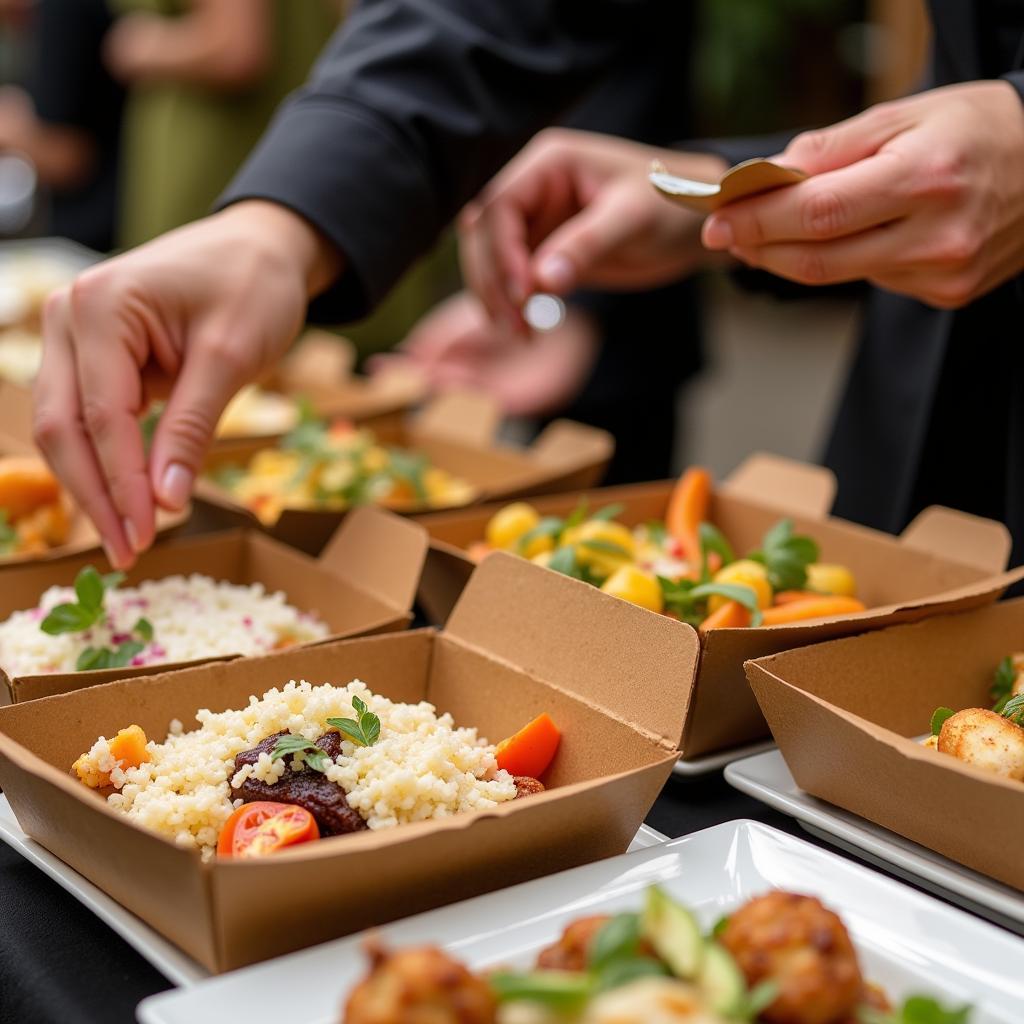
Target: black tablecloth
{"type": "Point", "coordinates": [60, 965]}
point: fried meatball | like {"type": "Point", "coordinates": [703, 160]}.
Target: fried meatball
{"type": "Point", "coordinates": [525, 786]}
{"type": "Point", "coordinates": [419, 986]}
{"type": "Point", "coordinates": [569, 953]}
{"type": "Point", "coordinates": [805, 948]}
{"type": "Point", "coordinates": [986, 740]}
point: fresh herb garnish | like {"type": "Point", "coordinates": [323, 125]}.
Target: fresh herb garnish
{"type": "Point", "coordinates": [8, 535]}
{"type": "Point", "coordinates": [619, 936]}
{"type": "Point", "coordinates": [607, 546]}
{"type": "Point", "coordinates": [916, 1010]}
{"type": "Point", "coordinates": [229, 476]}
{"type": "Point", "coordinates": [683, 597]}
{"type": "Point", "coordinates": [410, 467]}
{"type": "Point", "coordinates": [939, 719]}
{"type": "Point", "coordinates": [608, 513]}
{"type": "Point", "coordinates": [364, 731]}
{"type": "Point", "coordinates": [656, 532]}
{"type": "Point", "coordinates": [1002, 683]}
{"type": "Point", "coordinates": [560, 990]}
{"type": "Point", "coordinates": [302, 750]}
{"type": "Point", "coordinates": [759, 998]}
{"type": "Point", "coordinates": [549, 526]}
{"type": "Point", "coordinates": [1013, 709]}
{"type": "Point", "coordinates": [786, 556]}
{"type": "Point", "coordinates": [712, 540]}
{"type": "Point", "coordinates": [103, 657]}
{"type": "Point", "coordinates": [90, 588]}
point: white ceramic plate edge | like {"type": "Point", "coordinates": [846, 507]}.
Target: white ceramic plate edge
{"type": "Point", "coordinates": [712, 762]}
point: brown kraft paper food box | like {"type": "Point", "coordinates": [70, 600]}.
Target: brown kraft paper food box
{"type": "Point", "coordinates": [848, 716]}
{"type": "Point", "coordinates": [364, 582]}
{"type": "Point", "coordinates": [944, 560]}
{"type": "Point", "coordinates": [614, 677]}
{"type": "Point", "coordinates": [457, 433]}
{"type": "Point", "coordinates": [16, 439]}
{"type": "Point", "coordinates": [320, 369]}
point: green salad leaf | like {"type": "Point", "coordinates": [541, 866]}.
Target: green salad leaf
{"type": "Point", "coordinates": [712, 540]}
{"type": "Point", "coordinates": [786, 556]}
{"type": "Point", "coordinates": [917, 1010]}
{"type": "Point", "coordinates": [1002, 683]}
{"type": "Point", "coordinates": [684, 598]}
{"type": "Point", "coordinates": [1013, 709]}
{"type": "Point", "coordinates": [364, 730]}
{"type": "Point", "coordinates": [939, 717]}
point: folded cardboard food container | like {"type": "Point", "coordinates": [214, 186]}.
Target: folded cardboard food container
{"type": "Point", "coordinates": [364, 582]}
{"type": "Point", "coordinates": [944, 561]}
{"type": "Point", "coordinates": [457, 433]}
{"type": "Point", "coordinates": [521, 641]}
{"type": "Point", "coordinates": [16, 439]}
{"type": "Point", "coordinates": [848, 716]}
{"type": "Point", "coordinates": [320, 370]}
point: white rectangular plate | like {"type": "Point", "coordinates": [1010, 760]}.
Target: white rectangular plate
{"type": "Point", "coordinates": [766, 778]}
{"type": "Point", "coordinates": [908, 942]}
{"type": "Point", "coordinates": [170, 961]}
{"type": "Point", "coordinates": [715, 762]}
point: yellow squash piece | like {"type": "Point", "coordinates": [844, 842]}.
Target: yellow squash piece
{"type": "Point", "coordinates": [748, 573]}
{"type": "Point", "coordinates": [636, 586]}
{"type": "Point", "coordinates": [825, 578]}
{"type": "Point", "coordinates": [512, 522]}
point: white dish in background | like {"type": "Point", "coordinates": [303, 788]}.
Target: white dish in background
{"type": "Point", "coordinates": [908, 942]}
{"type": "Point", "coordinates": [170, 961]}
{"type": "Point", "coordinates": [767, 778]}
{"type": "Point", "coordinates": [713, 762]}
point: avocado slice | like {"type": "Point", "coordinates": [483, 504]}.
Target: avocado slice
{"type": "Point", "coordinates": [673, 932]}
{"type": "Point", "coordinates": [721, 981]}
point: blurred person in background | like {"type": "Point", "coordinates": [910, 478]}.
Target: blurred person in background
{"type": "Point", "coordinates": [203, 79]}
{"type": "Point", "coordinates": [65, 115]}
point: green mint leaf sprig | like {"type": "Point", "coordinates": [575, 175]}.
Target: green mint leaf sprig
{"type": "Point", "coordinates": [686, 598]}
{"type": "Point", "coordinates": [916, 1010]}
{"type": "Point", "coordinates": [939, 717]}
{"type": "Point", "coordinates": [712, 540]}
{"type": "Point", "coordinates": [1013, 709]}
{"type": "Point", "coordinates": [75, 617]}
{"type": "Point", "coordinates": [549, 526]}
{"type": "Point", "coordinates": [1002, 683]}
{"type": "Point", "coordinates": [304, 751]}
{"type": "Point", "coordinates": [93, 658]}
{"type": "Point", "coordinates": [8, 535]}
{"type": "Point", "coordinates": [364, 731]}
{"type": "Point", "coordinates": [786, 555]}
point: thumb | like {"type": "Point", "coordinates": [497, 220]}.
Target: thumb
{"type": "Point", "coordinates": [845, 143]}
{"type": "Point", "coordinates": [574, 255]}
{"type": "Point", "coordinates": [207, 382]}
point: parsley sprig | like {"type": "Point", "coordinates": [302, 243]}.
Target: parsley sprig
{"type": "Point", "coordinates": [786, 556]}
{"type": "Point", "coordinates": [364, 731]}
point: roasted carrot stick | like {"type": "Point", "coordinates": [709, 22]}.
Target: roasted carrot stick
{"type": "Point", "coordinates": [731, 615]}
{"type": "Point", "coordinates": [812, 608]}
{"type": "Point", "coordinates": [792, 596]}
{"type": "Point", "coordinates": [531, 750]}
{"type": "Point", "coordinates": [687, 508]}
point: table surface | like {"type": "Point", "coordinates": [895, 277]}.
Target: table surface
{"type": "Point", "coordinates": [58, 963]}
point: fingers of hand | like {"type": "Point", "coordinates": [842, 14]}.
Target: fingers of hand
{"type": "Point", "coordinates": [845, 143]}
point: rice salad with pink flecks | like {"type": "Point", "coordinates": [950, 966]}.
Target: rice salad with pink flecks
{"type": "Point", "coordinates": [178, 618]}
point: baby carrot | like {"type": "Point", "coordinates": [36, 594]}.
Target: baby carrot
{"type": "Point", "coordinates": [531, 750]}
{"type": "Point", "coordinates": [687, 508]}
{"type": "Point", "coordinates": [792, 596]}
{"type": "Point", "coordinates": [811, 608]}
{"type": "Point", "coordinates": [731, 615]}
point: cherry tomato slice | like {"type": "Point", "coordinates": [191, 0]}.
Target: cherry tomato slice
{"type": "Point", "coordinates": [264, 827]}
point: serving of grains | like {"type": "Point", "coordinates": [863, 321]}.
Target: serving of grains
{"type": "Point", "coordinates": [421, 767]}
{"type": "Point", "coordinates": [192, 617]}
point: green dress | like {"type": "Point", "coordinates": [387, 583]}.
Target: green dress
{"type": "Point", "coordinates": [182, 143]}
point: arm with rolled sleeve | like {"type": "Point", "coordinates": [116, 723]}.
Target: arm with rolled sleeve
{"type": "Point", "coordinates": [410, 110]}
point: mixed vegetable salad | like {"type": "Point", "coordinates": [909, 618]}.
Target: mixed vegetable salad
{"type": "Point", "coordinates": [684, 567]}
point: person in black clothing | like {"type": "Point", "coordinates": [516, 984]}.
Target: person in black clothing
{"type": "Point", "coordinates": [411, 109]}
{"type": "Point", "coordinates": [67, 119]}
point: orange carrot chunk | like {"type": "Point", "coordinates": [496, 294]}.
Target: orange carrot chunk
{"type": "Point", "coordinates": [688, 507]}
{"type": "Point", "coordinates": [812, 608]}
{"type": "Point", "coordinates": [731, 615]}
{"type": "Point", "coordinates": [792, 596]}
{"type": "Point", "coordinates": [531, 750]}
{"type": "Point", "coordinates": [129, 747]}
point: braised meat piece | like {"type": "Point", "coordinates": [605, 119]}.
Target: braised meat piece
{"type": "Point", "coordinates": [310, 789]}
{"type": "Point", "coordinates": [525, 786]}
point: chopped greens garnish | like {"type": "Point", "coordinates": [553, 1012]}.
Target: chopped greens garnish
{"type": "Point", "coordinates": [302, 750]}
{"type": "Point", "coordinates": [619, 936]}
{"type": "Point", "coordinates": [1002, 683]}
{"type": "Point", "coordinates": [712, 540]}
{"type": "Point", "coordinates": [683, 597]}
{"type": "Point", "coordinates": [786, 556]}
{"type": "Point", "coordinates": [608, 513]}
{"type": "Point", "coordinates": [607, 546]}
{"type": "Point", "coordinates": [1013, 709]}
{"type": "Point", "coordinates": [916, 1010]}
{"type": "Point", "coordinates": [103, 657]}
{"type": "Point", "coordinates": [364, 731]}
{"type": "Point", "coordinates": [939, 719]}
{"type": "Point", "coordinates": [549, 526]}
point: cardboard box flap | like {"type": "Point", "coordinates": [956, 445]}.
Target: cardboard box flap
{"type": "Point", "coordinates": [578, 645]}
{"type": "Point", "coordinates": [982, 543]}
{"type": "Point", "coordinates": [793, 487]}
{"type": "Point", "coordinates": [470, 419]}
{"type": "Point", "coordinates": [380, 552]}
{"type": "Point", "coordinates": [564, 446]}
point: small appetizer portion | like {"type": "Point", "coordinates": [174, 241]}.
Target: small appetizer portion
{"type": "Point", "coordinates": [33, 514]}
{"type": "Point", "coordinates": [991, 739]}
{"type": "Point", "coordinates": [683, 567]}
{"type": "Point", "coordinates": [98, 624]}
{"type": "Point", "coordinates": [307, 762]}
{"type": "Point", "coordinates": [335, 466]}
{"type": "Point", "coordinates": [781, 958]}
